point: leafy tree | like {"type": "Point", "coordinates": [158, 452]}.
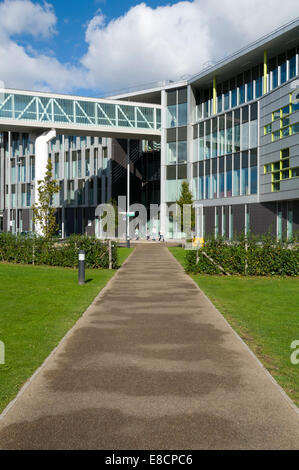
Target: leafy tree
{"type": "Point", "coordinates": [186, 198]}
{"type": "Point", "coordinates": [43, 211]}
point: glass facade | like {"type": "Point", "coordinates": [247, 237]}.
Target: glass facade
{"type": "Point", "coordinates": [230, 141]}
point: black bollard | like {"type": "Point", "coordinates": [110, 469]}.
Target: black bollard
{"type": "Point", "coordinates": [128, 242]}
{"type": "Point", "coordinates": [81, 271]}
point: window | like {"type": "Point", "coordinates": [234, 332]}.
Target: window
{"type": "Point", "coordinates": [283, 68]}
{"type": "Point", "coordinates": [236, 175]}
{"type": "Point", "coordinates": [245, 129]}
{"type": "Point", "coordinates": [276, 135]}
{"type": "Point", "coordinates": [276, 115]}
{"type": "Point", "coordinates": [208, 140]}
{"type": "Point", "coordinates": [292, 63]}
{"type": "Point", "coordinates": [253, 180]}
{"type": "Point", "coordinates": [268, 129]}
{"type": "Point", "coordinates": [221, 138]}
{"type": "Point", "coordinates": [201, 140]}
{"type": "Point", "coordinates": [267, 168]}
{"type": "Point", "coordinates": [171, 116]}
{"type": "Point", "coordinates": [295, 128]}
{"type": "Point", "coordinates": [229, 176]}
{"type": "Point", "coordinates": [214, 137]}
{"type": "Point", "coordinates": [253, 126]}
{"type": "Point", "coordinates": [241, 87]}
{"type": "Point", "coordinates": [182, 114]}
{"type": "Point", "coordinates": [171, 190]}
{"type": "Point", "coordinates": [171, 153]}
{"type": "Point", "coordinates": [229, 133]}
{"type": "Point", "coordinates": [87, 164]}
{"type": "Point", "coordinates": [245, 173]}
{"type": "Point", "coordinates": [237, 128]}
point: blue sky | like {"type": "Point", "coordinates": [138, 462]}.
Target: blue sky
{"type": "Point", "coordinates": [98, 47]}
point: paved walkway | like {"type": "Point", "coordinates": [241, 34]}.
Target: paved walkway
{"type": "Point", "coordinates": [152, 365]}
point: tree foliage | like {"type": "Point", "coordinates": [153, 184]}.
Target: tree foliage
{"type": "Point", "coordinates": [43, 211]}
{"type": "Point", "coordinates": [186, 198]}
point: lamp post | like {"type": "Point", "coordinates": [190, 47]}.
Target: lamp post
{"type": "Point", "coordinates": [81, 268]}
{"type": "Point", "coordinates": [128, 195]}
{"type": "Point", "coordinates": [18, 164]}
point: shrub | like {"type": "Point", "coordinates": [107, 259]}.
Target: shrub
{"type": "Point", "coordinates": [250, 257]}
{"type": "Point", "coordinates": [37, 250]}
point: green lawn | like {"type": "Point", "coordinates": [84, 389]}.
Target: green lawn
{"type": "Point", "coordinates": [123, 254]}
{"type": "Point", "coordinates": [265, 313]}
{"type": "Point", "coordinates": [38, 306]}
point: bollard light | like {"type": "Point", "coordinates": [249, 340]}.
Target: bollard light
{"type": "Point", "coordinates": [81, 266]}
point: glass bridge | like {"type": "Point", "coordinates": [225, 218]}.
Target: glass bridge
{"type": "Point", "coordinates": [46, 110]}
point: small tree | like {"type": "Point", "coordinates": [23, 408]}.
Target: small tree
{"type": "Point", "coordinates": [186, 198]}
{"type": "Point", "coordinates": [43, 211]}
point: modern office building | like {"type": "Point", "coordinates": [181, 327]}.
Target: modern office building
{"type": "Point", "coordinates": [232, 131]}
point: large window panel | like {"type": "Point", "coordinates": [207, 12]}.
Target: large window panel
{"type": "Point", "coordinates": [172, 116]}
{"type": "Point", "coordinates": [171, 153]}
{"type": "Point", "coordinates": [200, 187]}
{"type": "Point", "coordinates": [201, 140]}
{"type": "Point", "coordinates": [241, 87]}
{"type": "Point", "coordinates": [229, 133]}
{"type": "Point", "coordinates": [245, 129]}
{"type": "Point", "coordinates": [253, 180]}
{"type": "Point", "coordinates": [237, 130]}
{"type": "Point", "coordinates": [208, 140]}
{"type": "Point", "coordinates": [292, 63]}
{"type": "Point", "coordinates": [221, 136]}
{"type": "Point", "coordinates": [236, 175]}
{"type": "Point", "coordinates": [273, 69]}
{"type": "Point", "coordinates": [234, 94]}
{"type": "Point", "coordinates": [219, 99]}
{"type": "Point", "coordinates": [253, 126]}
{"type": "Point", "coordinates": [249, 83]}
{"type": "Point", "coordinates": [283, 68]}
{"type": "Point", "coordinates": [182, 152]}
{"type": "Point", "coordinates": [195, 150]}
{"type": "Point", "coordinates": [226, 95]}
{"type": "Point", "coordinates": [182, 114]}
{"type": "Point", "coordinates": [244, 179]}
{"type": "Point", "coordinates": [214, 137]}
{"type": "Point", "coordinates": [229, 176]}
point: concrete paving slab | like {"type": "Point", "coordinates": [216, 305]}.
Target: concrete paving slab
{"type": "Point", "coordinates": [151, 365]}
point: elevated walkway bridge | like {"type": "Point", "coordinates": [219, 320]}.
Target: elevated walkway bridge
{"type": "Point", "coordinates": [35, 112]}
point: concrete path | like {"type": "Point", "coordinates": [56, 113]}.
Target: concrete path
{"type": "Point", "coordinates": [151, 365]}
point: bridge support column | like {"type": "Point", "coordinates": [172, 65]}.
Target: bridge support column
{"type": "Point", "coordinates": [41, 161]}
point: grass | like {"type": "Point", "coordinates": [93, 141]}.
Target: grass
{"type": "Point", "coordinates": [123, 254]}
{"type": "Point", "coordinates": [38, 306]}
{"type": "Point", "coordinates": [265, 313]}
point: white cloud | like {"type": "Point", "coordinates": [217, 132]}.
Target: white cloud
{"type": "Point", "coordinates": [26, 68]}
{"type": "Point", "coordinates": [23, 16]}
{"type": "Point", "coordinates": [167, 42]}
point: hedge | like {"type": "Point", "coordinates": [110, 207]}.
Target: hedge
{"type": "Point", "coordinates": [38, 251]}
{"type": "Point", "coordinates": [252, 258]}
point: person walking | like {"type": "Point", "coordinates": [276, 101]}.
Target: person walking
{"type": "Point", "coordinates": [137, 234]}
{"type": "Point", "coordinates": [161, 236]}
{"type": "Point", "coordinates": [154, 234]}
{"type": "Point", "coordinates": [148, 235]}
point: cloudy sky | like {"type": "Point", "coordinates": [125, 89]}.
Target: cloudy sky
{"type": "Point", "coordinates": [99, 46]}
